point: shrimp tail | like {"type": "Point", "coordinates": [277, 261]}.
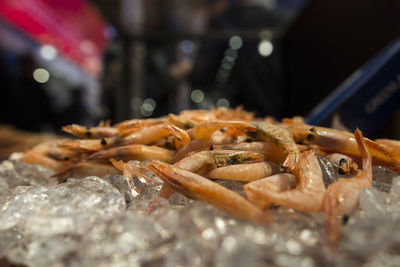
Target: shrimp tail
{"type": "Point", "coordinates": [291, 160]}
{"type": "Point", "coordinates": [119, 164]}
{"type": "Point", "coordinates": [181, 137]}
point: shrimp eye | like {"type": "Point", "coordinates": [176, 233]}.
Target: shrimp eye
{"type": "Point", "coordinates": [248, 140]}
{"type": "Point", "coordinates": [66, 158]}
{"type": "Point", "coordinates": [345, 218]}
{"type": "Point", "coordinates": [309, 137]}
{"type": "Point", "coordinates": [211, 147]}
{"type": "Point", "coordinates": [222, 130]}
{"type": "Point", "coordinates": [342, 162]}
{"type": "Point", "coordinates": [103, 142]}
{"type": "Point", "coordinates": [312, 129]}
{"type": "Point", "coordinates": [88, 133]}
{"type": "Point", "coordinates": [343, 166]}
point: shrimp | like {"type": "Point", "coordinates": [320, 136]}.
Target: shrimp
{"type": "Point", "coordinates": [192, 146]}
{"type": "Point", "coordinates": [205, 161]}
{"type": "Point", "coordinates": [32, 157]}
{"type": "Point", "coordinates": [85, 168]}
{"type": "Point", "coordinates": [307, 196]}
{"type": "Point", "coordinates": [244, 172]}
{"type": "Point", "coordinates": [149, 135]}
{"type": "Point", "coordinates": [205, 129]}
{"type": "Point", "coordinates": [345, 164]}
{"type": "Point", "coordinates": [54, 149]}
{"type": "Point", "coordinates": [181, 121]}
{"type": "Point", "coordinates": [395, 144]}
{"type": "Point", "coordinates": [344, 143]}
{"type": "Point", "coordinates": [90, 132]}
{"type": "Point", "coordinates": [238, 113]}
{"type": "Point", "coordinates": [197, 187]}
{"type": "Point", "coordinates": [198, 115]}
{"type": "Point", "coordinates": [88, 145]}
{"type": "Point", "coordinates": [130, 126]}
{"type": "Point", "coordinates": [270, 151]}
{"type": "Point", "coordinates": [134, 152]}
{"type": "Point", "coordinates": [104, 123]}
{"type": "Point", "coordinates": [279, 137]}
{"type": "Point", "coordinates": [342, 197]}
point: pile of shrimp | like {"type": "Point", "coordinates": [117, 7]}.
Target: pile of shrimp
{"type": "Point", "coordinates": [277, 161]}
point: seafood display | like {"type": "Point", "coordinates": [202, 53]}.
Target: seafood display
{"type": "Point", "coordinates": [277, 163]}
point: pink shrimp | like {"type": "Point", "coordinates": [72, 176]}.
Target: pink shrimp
{"type": "Point", "coordinates": [134, 152]}
{"type": "Point", "coordinates": [343, 196]}
{"type": "Point", "coordinates": [279, 137]}
{"type": "Point", "coordinates": [343, 142]}
{"type": "Point", "coordinates": [307, 196]}
{"type": "Point", "coordinates": [205, 161]}
{"type": "Point", "coordinates": [244, 172]}
{"type": "Point", "coordinates": [90, 132]}
{"type": "Point", "coordinates": [197, 187]}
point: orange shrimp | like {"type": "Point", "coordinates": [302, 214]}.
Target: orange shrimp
{"type": "Point", "coordinates": [343, 142]}
{"type": "Point", "coordinates": [205, 161]}
{"type": "Point", "coordinates": [192, 146]}
{"type": "Point", "coordinates": [90, 132]}
{"type": "Point", "coordinates": [54, 149]}
{"type": "Point", "coordinates": [279, 137]}
{"type": "Point", "coordinates": [238, 113]}
{"type": "Point", "coordinates": [149, 135]}
{"type": "Point", "coordinates": [83, 169]}
{"type": "Point", "coordinates": [204, 130]}
{"type": "Point", "coordinates": [89, 145]}
{"type": "Point", "coordinates": [134, 152]}
{"type": "Point", "coordinates": [307, 196]}
{"type": "Point", "coordinates": [342, 197]}
{"type": "Point", "coordinates": [394, 144]}
{"type": "Point", "coordinates": [197, 187]}
{"type": "Point", "coordinates": [130, 126]}
{"type": "Point", "coordinates": [244, 172]}
{"type": "Point", "coordinates": [270, 151]}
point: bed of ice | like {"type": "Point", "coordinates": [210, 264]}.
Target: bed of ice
{"type": "Point", "coordinates": [98, 222]}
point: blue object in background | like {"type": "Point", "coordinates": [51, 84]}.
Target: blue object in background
{"type": "Point", "coordinates": [366, 99]}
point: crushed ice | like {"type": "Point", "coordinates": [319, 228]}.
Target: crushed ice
{"type": "Point", "coordinates": [99, 222]}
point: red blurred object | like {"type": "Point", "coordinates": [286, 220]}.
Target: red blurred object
{"type": "Point", "coordinates": [74, 27]}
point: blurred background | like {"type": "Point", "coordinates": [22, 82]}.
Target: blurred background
{"type": "Point", "coordinates": [81, 61]}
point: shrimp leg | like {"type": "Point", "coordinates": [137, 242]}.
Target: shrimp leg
{"type": "Point", "coordinates": [198, 187]}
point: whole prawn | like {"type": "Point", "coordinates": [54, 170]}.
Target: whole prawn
{"type": "Point", "coordinates": [307, 196]}
{"type": "Point", "coordinates": [198, 187]}
{"type": "Point", "coordinates": [342, 197]}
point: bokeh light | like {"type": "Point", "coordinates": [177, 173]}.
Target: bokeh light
{"type": "Point", "coordinates": [197, 96]}
{"type": "Point", "coordinates": [41, 75]}
{"type": "Point", "coordinates": [265, 48]}
{"type": "Point", "coordinates": [235, 42]}
{"type": "Point", "coordinates": [223, 102]}
{"type": "Point", "coordinates": [48, 52]}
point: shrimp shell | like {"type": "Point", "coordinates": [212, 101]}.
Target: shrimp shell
{"type": "Point", "coordinates": [244, 172]}
{"type": "Point", "coordinates": [198, 187]}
